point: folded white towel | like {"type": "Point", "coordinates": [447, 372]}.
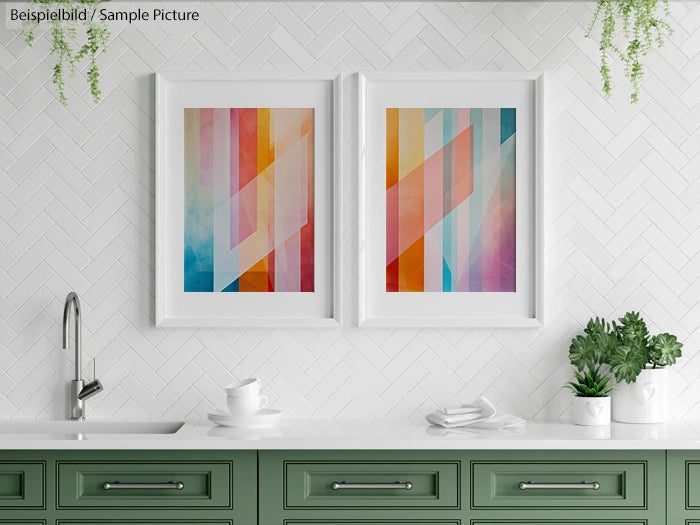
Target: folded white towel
{"type": "Point", "coordinates": [464, 409]}
{"type": "Point", "coordinates": [484, 416]}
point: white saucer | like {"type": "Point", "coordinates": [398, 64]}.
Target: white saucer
{"type": "Point", "coordinates": [265, 417]}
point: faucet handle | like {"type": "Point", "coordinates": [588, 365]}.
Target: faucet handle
{"type": "Point", "coordinates": [89, 390]}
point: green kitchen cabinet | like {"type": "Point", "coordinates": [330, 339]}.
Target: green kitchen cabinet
{"type": "Point", "coordinates": [467, 487]}
{"type": "Point", "coordinates": [349, 487]}
{"type": "Point", "coordinates": [108, 487]}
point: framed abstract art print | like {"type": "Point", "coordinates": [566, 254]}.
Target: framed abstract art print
{"type": "Point", "coordinates": [247, 205]}
{"type": "Point", "coordinates": [450, 199]}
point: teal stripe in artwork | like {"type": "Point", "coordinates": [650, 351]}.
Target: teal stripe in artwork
{"type": "Point", "coordinates": [507, 123]}
{"type": "Point", "coordinates": [429, 113]}
{"type": "Point", "coordinates": [475, 208]}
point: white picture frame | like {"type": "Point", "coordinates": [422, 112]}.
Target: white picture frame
{"type": "Point", "coordinates": [318, 308]}
{"type": "Point", "coordinates": [378, 307]}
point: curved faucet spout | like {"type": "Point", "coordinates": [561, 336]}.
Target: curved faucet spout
{"type": "Point", "coordinates": [79, 391]}
{"type": "Point", "coordinates": [73, 301]}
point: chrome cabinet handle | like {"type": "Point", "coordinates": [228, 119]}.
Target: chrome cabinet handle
{"type": "Point", "coordinates": [525, 485]}
{"type": "Point", "coordinates": [342, 485]}
{"type": "Point", "coordinates": [177, 485]}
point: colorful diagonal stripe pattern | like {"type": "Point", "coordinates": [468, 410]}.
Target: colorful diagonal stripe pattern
{"type": "Point", "coordinates": [450, 200]}
{"type": "Point", "coordinates": [249, 200]}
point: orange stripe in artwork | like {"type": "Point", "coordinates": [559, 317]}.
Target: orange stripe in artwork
{"type": "Point", "coordinates": [266, 149]}
{"type": "Point", "coordinates": [411, 140]}
{"type": "Point", "coordinates": [411, 265]}
{"type": "Point", "coordinates": [392, 146]}
{"type": "Point", "coordinates": [255, 279]}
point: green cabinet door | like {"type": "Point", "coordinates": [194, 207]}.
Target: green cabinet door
{"type": "Point", "coordinates": [557, 487]}
{"type": "Point", "coordinates": [21, 485]}
{"type": "Point", "coordinates": [162, 484]}
{"type": "Point", "coordinates": [144, 522]}
{"type": "Point", "coordinates": [683, 494]}
{"type": "Point", "coordinates": [360, 487]}
{"type": "Point", "coordinates": [556, 522]}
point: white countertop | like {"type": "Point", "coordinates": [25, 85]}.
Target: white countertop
{"type": "Point", "coordinates": [317, 434]}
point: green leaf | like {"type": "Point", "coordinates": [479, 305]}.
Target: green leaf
{"type": "Point", "coordinates": [583, 352]}
{"type": "Point", "coordinates": [664, 349]}
{"type": "Point", "coordinates": [633, 330]}
{"type": "Point", "coordinates": [591, 383]}
{"type": "Point", "coordinates": [627, 362]}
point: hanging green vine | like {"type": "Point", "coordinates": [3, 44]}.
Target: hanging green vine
{"type": "Point", "coordinates": [642, 27]}
{"type": "Point", "coordinates": [63, 43]}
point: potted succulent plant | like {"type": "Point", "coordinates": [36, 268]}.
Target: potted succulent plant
{"type": "Point", "coordinates": [637, 360]}
{"type": "Point", "coordinates": [639, 363]}
{"type": "Point", "coordinates": [591, 404]}
{"type": "Point", "coordinates": [591, 388]}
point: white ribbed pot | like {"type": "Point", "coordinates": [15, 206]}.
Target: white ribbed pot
{"type": "Point", "coordinates": [645, 400]}
{"type": "Point", "coordinates": [591, 411]}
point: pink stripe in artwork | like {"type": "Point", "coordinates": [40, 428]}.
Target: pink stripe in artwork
{"type": "Point", "coordinates": [491, 244]}
{"type": "Point", "coordinates": [233, 173]}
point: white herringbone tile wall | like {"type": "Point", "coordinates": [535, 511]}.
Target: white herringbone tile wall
{"type": "Point", "coordinates": [77, 210]}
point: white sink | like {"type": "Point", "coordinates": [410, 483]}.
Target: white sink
{"type": "Point", "coordinates": [89, 427]}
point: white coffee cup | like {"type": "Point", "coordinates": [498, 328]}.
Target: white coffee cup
{"type": "Point", "coordinates": [246, 387]}
{"type": "Point", "coordinates": [246, 404]}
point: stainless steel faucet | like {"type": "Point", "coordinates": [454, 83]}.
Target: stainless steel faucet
{"type": "Point", "coordinates": [79, 391]}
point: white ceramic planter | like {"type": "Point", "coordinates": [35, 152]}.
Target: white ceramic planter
{"type": "Point", "coordinates": [591, 411]}
{"type": "Point", "coordinates": [645, 400]}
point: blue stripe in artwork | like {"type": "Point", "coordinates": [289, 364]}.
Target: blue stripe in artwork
{"type": "Point", "coordinates": [507, 123]}
{"type": "Point", "coordinates": [446, 277]}
{"type": "Point", "coordinates": [233, 287]}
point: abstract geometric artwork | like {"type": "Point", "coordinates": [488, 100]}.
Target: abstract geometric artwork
{"type": "Point", "coordinates": [450, 200]}
{"type": "Point", "coordinates": [248, 200]}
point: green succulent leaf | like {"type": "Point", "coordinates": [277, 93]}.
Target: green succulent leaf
{"type": "Point", "coordinates": [583, 352]}
{"type": "Point", "coordinates": [664, 350]}
{"type": "Point", "coordinates": [627, 362]}
{"type": "Point", "coordinates": [633, 330]}
{"type": "Point", "coordinates": [592, 383]}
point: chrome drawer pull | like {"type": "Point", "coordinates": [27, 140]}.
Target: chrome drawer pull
{"type": "Point", "coordinates": [178, 485]}
{"type": "Point", "coordinates": [342, 485]}
{"type": "Point", "coordinates": [524, 485]}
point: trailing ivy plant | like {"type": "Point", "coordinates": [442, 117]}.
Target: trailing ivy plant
{"type": "Point", "coordinates": [64, 46]}
{"type": "Point", "coordinates": [642, 27]}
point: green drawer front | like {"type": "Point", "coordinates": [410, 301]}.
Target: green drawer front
{"type": "Point", "coordinates": [21, 485]}
{"type": "Point", "coordinates": [568, 522]}
{"type": "Point", "coordinates": [497, 485]}
{"type": "Point", "coordinates": [149, 522]}
{"type": "Point", "coordinates": [382, 522]}
{"type": "Point", "coordinates": [206, 485]}
{"type": "Point", "coordinates": [692, 476]}
{"type": "Point", "coordinates": [434, 485]}
{"type": "Point", "coordinates": [19, 522]}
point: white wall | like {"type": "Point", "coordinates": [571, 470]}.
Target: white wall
{"type": "Point", "coordinates": [77, 201]}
